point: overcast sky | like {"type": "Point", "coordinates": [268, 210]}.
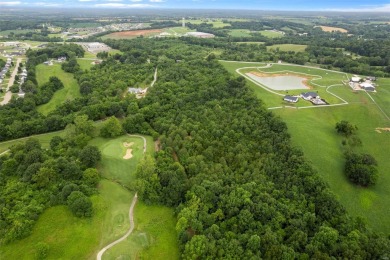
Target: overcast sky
{"type": "Point", "coordinates": [331, 5]}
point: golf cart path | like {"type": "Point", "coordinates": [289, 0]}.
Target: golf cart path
{"type": "Point", "coordinates": [131, 219]}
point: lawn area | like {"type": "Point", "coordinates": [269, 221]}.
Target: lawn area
{"type": "Point", "coordinates": [85, 64]}
{"type": "Point", "coordinates": [240, 33]}
{"type": "Point", "coordinates": [326, 152]}
{"type": "Point", "coordinates": [287, 47]}
{"type": "Point", "coordinates": [69, 92]}
{"type": "Point", "coordinates": [113, 166]}
{"type": "Point", "coordinates": [69, 237]}
{"type": "Point", "coordinates": [177, 30]}
{"type": "Point", "coordinates": [257, 43]}
{"type": "Point", "coordinates": [154, 236]}
{"type": "Point", "coordinates": [271, 34]}
{"type": "Point", "coordinates": [217, 23]}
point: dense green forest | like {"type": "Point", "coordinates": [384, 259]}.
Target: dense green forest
{"type": "Point", "coordinates": [33, 178]}
{"type": "Point", "coordinates": [226, 163]}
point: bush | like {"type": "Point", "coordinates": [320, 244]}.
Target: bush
{"type": "Point", "coordinates": [361, 169]}
{"type": "Point", "coordinates": [79, 204]}
{"type": "Point", "coordinates": [345, 128]}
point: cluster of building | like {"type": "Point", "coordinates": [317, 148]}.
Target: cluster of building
{"type": "Point", "coordinates": [357, 83]}
{"type": "Point", "coordinates": [5, 69]}
{"type": "Point", "coordinates": [83, 33]}
{"type": "Point", "coordinates": [313, 97]}
{"type": "Point", "coordinates": [59, 60]}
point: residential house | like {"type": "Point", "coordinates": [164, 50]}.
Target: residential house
{"type": "Point", "coordinates": [309, 95]}
{"type": "Point", "coordinates": [291, 99]}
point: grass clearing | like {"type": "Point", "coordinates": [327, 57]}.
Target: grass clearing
{"type": "Point", "coordinates": [287, 47]}
{"type": "Point", "coordinates": [272, 34]}
{"type": "Point", "coordinates": [240, 33]}
{"type": "Point", "coordinates": [326, 153]}
{"type": "Point", "coordinates": [85, 64]}
{"type": "Point", "coordinates": [69, 92]}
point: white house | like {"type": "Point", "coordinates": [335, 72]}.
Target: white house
{"type": "Point", "coordinates": [355, 79]}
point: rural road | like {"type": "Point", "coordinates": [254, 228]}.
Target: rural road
{"type": "Point", "coordinates": [8, 94]}
{"type": "Point", "coordinates": [131, 218]}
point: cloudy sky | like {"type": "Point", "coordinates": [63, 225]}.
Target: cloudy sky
{"type": "Point", "coordinates": [331, 5]}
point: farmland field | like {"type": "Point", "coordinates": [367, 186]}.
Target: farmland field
{"type": "Point", "coordinates": [332, 29]}
{"type": "Point", "coordinates": [287, 47]}
{"type": "Point", "coordinates": [272, 34]}
{"type": "Point", "coordinates": [132, 34]}
{"type": "Point", "coordinates": [326, 154]}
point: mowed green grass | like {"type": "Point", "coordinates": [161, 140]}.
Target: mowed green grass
{"type": "Point", "coordinates": [240, 33]}
{"type": "Point", "coordinates": [70, 91]}
{"type": "Point", "coordinates": [69, 237]}
{"type": "Point", "coordinates": [287, 47]}
{"type": "Point", "coordinates": [154, 236]}
{"type": "Point", "coordinates": [215, 23]}
{"type": "Point", "coordinates": [271, 34]}
{"type": "Point", "coordinates": [85, 64]}
{"type": "Point", "coordinates": [313, 131]}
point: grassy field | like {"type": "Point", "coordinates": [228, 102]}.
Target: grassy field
{"type": "Point", "coordinates": [177, 30]}
{"type": "Point", "coordinates": [240, 33]}
{"type": "Point", "coordinates": [7, 32]}
{"type": "Point", "coordinates": [326, 152]}
{"type": "Point", "coordinates": [271, 34]}
{"type": "Point", "coordinates": [217, 23]}
{"type": "Point", "coordinates": [69, 237]}
{"type": "Point", "coordinates": [70, 90]}
{"type": "Point", "coordinates": [257, 43]}
{"type": "Point", "coordinates": [85, 64]}
{"type": "Point", "coordinates": [288, 47]}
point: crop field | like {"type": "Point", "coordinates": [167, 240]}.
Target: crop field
{"type": "Point", "coordinates": [272, 34]}
{"type": "Point", "coordinates": [287, 47]}
{"type": "Point", "coordinates": [132, 34]}
{"type": "Point", "coordinates": [217, 23]}
{"type": "Point", "coordinates": [332, 29]}
{"type": "Point", "coordinates": [326, 153]}
{"type": "Point", "coordinates": [70, 90]}
{"type": "Point", "coordinates": [240, 33]}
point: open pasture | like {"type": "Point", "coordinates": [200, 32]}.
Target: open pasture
{"type": "Point", "coordinates": [287, 47]}
{"type": "Point", "coordinates": [132, 34]}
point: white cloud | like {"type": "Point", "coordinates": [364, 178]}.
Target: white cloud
{"type": "Point", "coordinates": [11, 3]}
{"type": "Point", "coordinates": [157, 1]}
{"type": "Point", "coordinates": [114, 0]}
{"type": "Point", "coordinates": [118, 5]}
{"type": "Point", "coordinates": [366, 8]}
{"type": "Point", "coordinates": [45, 4]}
{"type": "Point", "coordinates": [136, 1]}
{"type": "Point", "coordinates": [86, 0]}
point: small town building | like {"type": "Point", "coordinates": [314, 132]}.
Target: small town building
{"type": "Point", "coordinates": [355, 79]}
{"type": "Point", "coordinates": [309, 95]}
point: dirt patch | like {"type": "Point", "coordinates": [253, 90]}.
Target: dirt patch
{"type": "Point", "coordinates": [129, 154]}
{"type": "Point", "coordinates": [305, 79]}
{"type": "Point", "coordinates": [382, 129]}
{"type": "Point", "coordinates": [332, 29]}
{"type": "Point", "coordinates": [132, 34]}
{"type": "Point", "coordinates": [157, 145]}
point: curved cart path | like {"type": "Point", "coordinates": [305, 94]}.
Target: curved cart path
{"type": "Point", "coordinates": [131, 218]}
{"type": "Point", "coordinates": [143, 138]}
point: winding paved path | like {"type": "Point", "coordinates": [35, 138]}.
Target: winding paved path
{"type": "Point", "coordinates": [143, 138]}
{"type": "Point", "coordinates": [131, 218]}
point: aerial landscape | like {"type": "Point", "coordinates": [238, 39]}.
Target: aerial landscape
{"type": "Point", "coordinates": [153, 129]}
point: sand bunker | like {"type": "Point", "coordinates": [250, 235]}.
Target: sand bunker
{"type": "Point", "coordinates": [380, 129]}
{"type": "Point", "coordinates": [127, 144]}
{"type": "Point", "coordinates": [129, 152]}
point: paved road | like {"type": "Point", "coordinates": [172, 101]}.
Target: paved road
{"type": "Point", "coordinates": [131, 219]}
{"type": "Point", "coordinates": [8, 94]}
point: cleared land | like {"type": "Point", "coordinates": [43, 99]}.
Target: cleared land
{"type": "Point", "coordinates": [70, 90]}
{"type": "Point", "coordinates": [287, 47]}
{"type": "Point", "coordinates": [132, 34]}
{"type": "Point", "coordinates": [326, 154]}
{"type": "Point", "coordinates": [332, 29]}
{"type": "Point", "coordinates": [240, 33]}
{"type": "Point", "coordinates": [272, 34]}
